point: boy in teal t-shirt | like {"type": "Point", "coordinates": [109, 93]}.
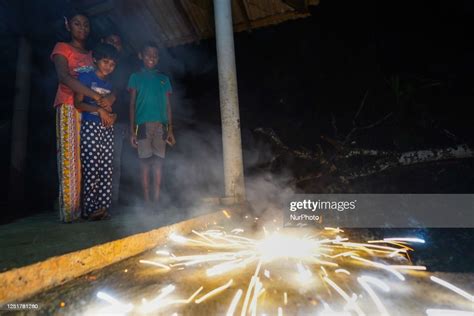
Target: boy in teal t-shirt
{"type": "Point", "coordinates": [150, 118]}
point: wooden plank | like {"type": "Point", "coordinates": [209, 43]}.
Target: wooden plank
{"type": "Point", "coordinates": [297, 5]}
{"type": "Point", "coordinates": [245, 14]}
{"type": "Point", "coordinates": [94, 8]}
{"type": "Point", "coordinates": [187, 19]}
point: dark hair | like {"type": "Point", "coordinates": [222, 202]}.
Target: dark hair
{"type": "Point", "coordinates": [71, 13]}
{"type": "Point", "coordinates": [107, 51]}
{"type": "Point", "coordinates": [149, 44]}
{"type": "Point", "coordinates": [111, 32]}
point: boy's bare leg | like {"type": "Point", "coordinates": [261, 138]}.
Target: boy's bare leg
{"type": "Point", "coordinates": [145, 170]}
{"type": "Point", "coordinates": [157, 164]}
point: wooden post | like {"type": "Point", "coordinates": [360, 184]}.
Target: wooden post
{"type": "Point", "coordinates": [19, 133]}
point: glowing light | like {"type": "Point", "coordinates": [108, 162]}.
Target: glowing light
{"type": "Point", "coordinates": [256, 292]}
{"type": "Point", "coordinates": [253, 280]}
{"type": "Point", "coordinates": [203, 237]}
{"type": "Point", "coordinates": [453, 288]}
{"type": "Point", "coordinates": [407, 239]}
{"type": "Point", "coordinates": [228, 266]}
{"type": "Point", "coordinates": [304, 274]}
{"type": "Point", "coordinates": [351, 301]}
{"type": "Point", "coordinates": [178, 238]}
{"type": "Point", "coordinates": [280, 246]}
{"type": "Point", "coordinates": [447, 312]}
{"type": "Point", "coordinates": [381, 266]}
{"type": "Point", "coordinates": [189, 299]}
{"type": "Point", "coordinates": [408, 267]}
{"type": "Point", "coordinates": [116, 304]}
{"type": "Point", "coordinates": [343, 271]}
{"type": "Point", "coordinates": [235, 301]}
{"type": "Point", "coordinates": [226, 213]}
{"type": "Point", "coordinates": [154, 263]}
{"type": "Point", "coordinates": [158, 301]}
{"type": "Point", "coordinates": [337, 230]}
{"type": "Point", "coordinates": [328, 311]}
{"type": "Point", "coordinates": [365, 282]}
{"type": "Point", "coordinates": [213, 292]}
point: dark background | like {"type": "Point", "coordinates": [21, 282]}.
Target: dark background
{"type": "Point", "coordinates": [297, 77]}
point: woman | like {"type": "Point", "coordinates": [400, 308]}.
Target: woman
{"type": "Point", "coordinates": [70, 59]}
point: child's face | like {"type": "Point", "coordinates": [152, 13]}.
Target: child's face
{"type": "Point", "coordinates": [105, 66]}
{"type": "Point", "coordinates": [115, 41]}
{"type": "Point", "coordinates": [79, 27]}
{"type": "Point", "coordinates": [150, 57]}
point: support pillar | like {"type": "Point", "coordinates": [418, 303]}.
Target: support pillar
{"type": "Point", "coordinates": [19, 133]}
{"type": "Point", "coordinates": [229, 102]}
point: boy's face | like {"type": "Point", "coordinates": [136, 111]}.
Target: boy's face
{"type": "Point", "coordinates": [105, 66]}
{"type": "Point", "coordinates": [79, 27]}
{"type": "Point", "coordinates": [150, 57]}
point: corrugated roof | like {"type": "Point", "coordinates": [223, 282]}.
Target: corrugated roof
{"type": "Point", "coordinates": [176, 22]}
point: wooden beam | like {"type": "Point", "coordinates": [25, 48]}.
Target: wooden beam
{"type": "Point", "coordinates": [188, 21]}
{"type": "Point", "coordinates": [245, 14]}
{"type": "Point", "coordinates": [297, 5]}
{"type": "Point", "coordinates": [203, 4]}
{"type": "Point", "coordinates": [93, 8]}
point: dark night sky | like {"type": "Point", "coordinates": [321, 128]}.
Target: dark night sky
{"type": "Point", "coordinates": [292, 76]}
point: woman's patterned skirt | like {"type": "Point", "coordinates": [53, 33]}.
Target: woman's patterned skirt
{"type": "Point", "coordinates": [69, 165]}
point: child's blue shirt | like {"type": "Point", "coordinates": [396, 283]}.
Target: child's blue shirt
{"type": "Point", "coordinates": [102, 87]}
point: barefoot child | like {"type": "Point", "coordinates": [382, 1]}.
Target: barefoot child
{"type": "Point", "coordinates": [97, 136]}
{"type": "Point", "coordinates": [150, 118]}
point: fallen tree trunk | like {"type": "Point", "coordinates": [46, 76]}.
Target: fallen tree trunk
{"type": "Point", "coordinates": [341, 158]}
{"type": "Point", "coordinates": [414, 157]}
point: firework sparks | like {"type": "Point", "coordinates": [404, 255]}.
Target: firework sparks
{"type": "Point", "coordinates": [448, 312]}
{"type": "Point", "coordinates": [365, 282]}
{"type": "Point", "coordinates": [157, 264]}
{"type": "Point", "coordinates": [158, 301]}
{"type": "Point", "coordinates": [115, 307]}
{"type": "Point", "coordinates": [235, 301]}
{"type": "Point", "coordinates": [277, 259]}
{"type": "Point", "coordinates": [453, 288]}
{"type": "Point", "coordinates": [214, 292]}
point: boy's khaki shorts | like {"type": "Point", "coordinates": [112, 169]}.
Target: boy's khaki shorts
{"type": "Point", "coordinates": [151, 140]}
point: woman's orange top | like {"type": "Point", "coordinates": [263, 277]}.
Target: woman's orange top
{"type": "Point", "coordinates": [77, 62]}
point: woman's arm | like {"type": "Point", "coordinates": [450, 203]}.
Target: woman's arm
{"type": "Point", "coordinates": [82, 106]}
{"type": "Point", "coordinates": [60, 62]}
{"type": "Point", "coordinates": [105, 117]}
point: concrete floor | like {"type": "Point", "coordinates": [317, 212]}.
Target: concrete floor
{"type": "Point", "coordinates": [41, 236]}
